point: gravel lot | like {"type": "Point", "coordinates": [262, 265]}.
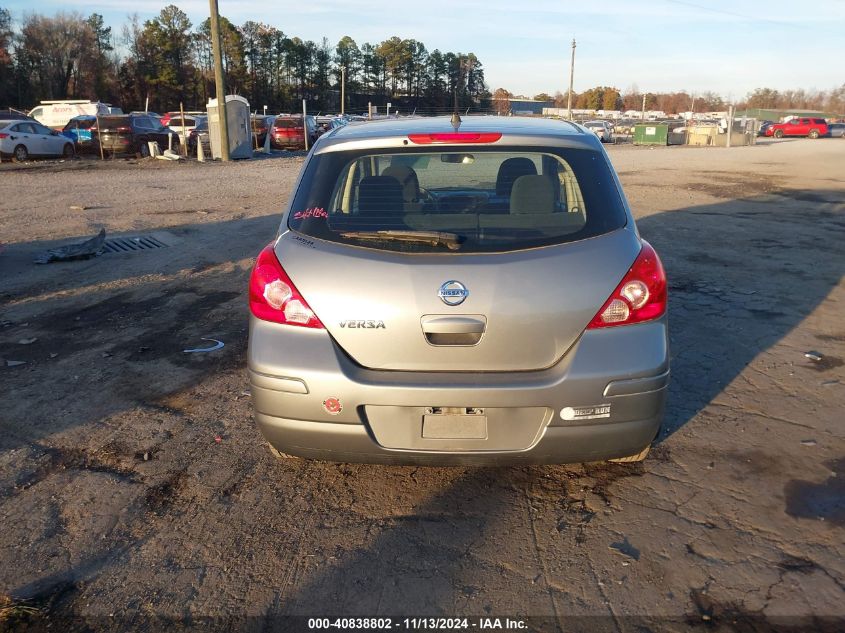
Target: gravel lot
{"type": "Point", "coordinates": [136, 493]}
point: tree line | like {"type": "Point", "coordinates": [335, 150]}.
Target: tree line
{"type": "Point", "coordinates": [610, 98]}
{"type": "Point", "coordinates": [167, 60]}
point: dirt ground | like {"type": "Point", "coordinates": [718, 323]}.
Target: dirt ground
{"type": "Point", "coordinates": [137, 495]}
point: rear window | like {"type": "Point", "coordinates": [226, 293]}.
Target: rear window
{"type": "Point", "coordinates": [82, 124]}
{"type": "Point", "coordinates": [457, 200]}
{"type": "Point", "coordinates": [289, 122]}
{"type": "Point", "coordinates": [111, 122]}
{"type": "Point", "coordinates": [177, 120]}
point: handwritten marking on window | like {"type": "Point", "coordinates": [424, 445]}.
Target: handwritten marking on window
{"type": "Point", "coordinates": [314, 212]}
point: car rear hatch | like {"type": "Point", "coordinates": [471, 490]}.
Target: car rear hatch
{"type": "Point", "coordinates": [289, 130]}
{"type": "Point", "coordinates": [523, 311]}
{"type": "Point", "coordinates": [114, 131]}
{"type": "Point", "coordinates": [476, 260]}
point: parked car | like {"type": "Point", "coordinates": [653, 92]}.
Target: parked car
{"type": "Point", "coordinates": [200, 135]}
{"type": "Point", "coordinates": [836, 130]}
{"type": "Point", "coordinates": [173, 120]}
{"type": "Point", "coordinates": [799, 126]}
{"type": "Point", "coordinates": [28, 139]}
{"type": "Point", "coordinates": [130, 133]}
{"type": "Point", "coordinates": [601, 129]}
{"type": "Point", "coordinates": [261, 123]}
{"type": "Point", "coordinates": [78, 129]}
{"type": "Point", "coordinates": [10, 114]}
{"type": "Point", "coordinates": [473, 293]}
{"type": "Point", "coordinates": [288, 132]}
{"type": "Point", "coordinates": [155, 115]}
{"type": "Point", "coordinates": [764, 125]}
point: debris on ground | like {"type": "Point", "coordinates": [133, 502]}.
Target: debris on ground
{"type": "Point", "coordinates": [217, 345]}
{"type": "Point", "coordinates": [626, 548]}
{"type": "Point", "coordinates": [78, 207]}
{"type": "Point", "coordinates": [84, 250]}
{"type": "Point", "coordinates": [12, 363]}
{"type": "Point", "coordinates": [808, 442]}
{"type": "Point", "coordinates": [169, 154]}
{"type": "Point", "coordinates": [27, 341]}
{"type": "Point", "coordinates": [14, 611]}
{"type": "Point", "coordinates": [816, 356]}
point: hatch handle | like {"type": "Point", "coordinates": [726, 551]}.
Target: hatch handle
{"type": "Point", "coordinates": [465, 324]}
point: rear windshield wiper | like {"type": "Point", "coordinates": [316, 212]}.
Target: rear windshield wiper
{"type": "Point", "coordinates": [435, 238]}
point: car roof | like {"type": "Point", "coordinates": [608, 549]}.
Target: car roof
{"type": "Point", "coordinates": [515, 130]}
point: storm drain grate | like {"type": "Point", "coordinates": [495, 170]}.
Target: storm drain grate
{"type": "Point", "coordinates": [131, 244]}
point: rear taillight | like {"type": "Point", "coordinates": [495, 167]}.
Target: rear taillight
{"type": "Point", "coordinates": [640, 296]}
{"type": "Point", "coordinates": [273, 297]}
{"type": "Point", "coordinates": [124, 129]}
{"type": "Point", "coordinates": [3, 135]}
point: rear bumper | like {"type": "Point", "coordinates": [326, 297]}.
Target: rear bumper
{"type": "Point", "coordinates": [534, 417]}
{"type": "Point", "coordinates": [558, 445]}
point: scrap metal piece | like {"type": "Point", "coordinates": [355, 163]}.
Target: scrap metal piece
{"type": "Point", "coordinates": [218, 345]}
{"type": "Point", "coordinates": [84, 250]}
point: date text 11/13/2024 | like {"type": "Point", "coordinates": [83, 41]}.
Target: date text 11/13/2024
{"type": "Point", "coordinates": [417, 624]}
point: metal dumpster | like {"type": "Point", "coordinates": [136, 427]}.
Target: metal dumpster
{"type": "Point", "coordinates": [651, 134]}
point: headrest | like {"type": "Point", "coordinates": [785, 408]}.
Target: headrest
{"type": "Point", "coordinates": [532, 194]}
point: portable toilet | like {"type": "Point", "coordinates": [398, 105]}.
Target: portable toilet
{"type": "Point", "coordinates": [240, 132]}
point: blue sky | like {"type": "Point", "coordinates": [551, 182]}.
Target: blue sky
{"type": "Point", "coordinates": [659, 45]}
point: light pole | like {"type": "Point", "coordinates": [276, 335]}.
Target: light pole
{"type": "Point", "coordinates": [342, 90]}
{"type": "Point", "coordinates": [571, 78]}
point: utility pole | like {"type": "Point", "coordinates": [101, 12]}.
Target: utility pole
{"type": "Point", "coordinates": [730, 125]}
{"type": "Point", "coordinates": [571, 79]}
{"type": "Point", "coordinates": [218, 80]}
{"type": "Point", "coordinates": [643, 117]}
{"type": "Point", "coordinates": [458, 81]}
{"type": "Point", "coordinates": [342, 90]}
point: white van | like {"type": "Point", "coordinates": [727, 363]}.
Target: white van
{"type": "Point", "coordinates": [56, 114]}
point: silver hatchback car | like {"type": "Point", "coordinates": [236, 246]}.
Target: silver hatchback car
{"type": "Point", "coordinates": [459, 292]}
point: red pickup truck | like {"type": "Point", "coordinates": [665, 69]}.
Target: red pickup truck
{"type": "Point", "coordinates": [814, 128]}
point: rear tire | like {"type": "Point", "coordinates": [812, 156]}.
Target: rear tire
{"type": "Point", "coordinates": [632, 458]}
{"type": "Point", "coordinates": [778, 134]}
{"type": "Point", "coordinates": [144, 150]}
{"type": "Point", "coordinates": [813, 134]}
{"type": "Point", "coordinates": [20, 154]}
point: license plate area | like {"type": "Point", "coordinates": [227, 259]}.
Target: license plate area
{"type": "Point", "coordinates": [456, 429]}
{"type": "Point", "coordinates": [454, 423]}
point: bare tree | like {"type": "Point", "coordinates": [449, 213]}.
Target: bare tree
{"type": "Point", "coordinates": [55, 51]}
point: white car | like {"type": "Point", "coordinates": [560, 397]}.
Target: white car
{"type": "Point", "coordinates": [173, 120]}
{"type": "Point", "coordinates": [602, 129]}
{"type": "Point", "coordinates": [23, 139]}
